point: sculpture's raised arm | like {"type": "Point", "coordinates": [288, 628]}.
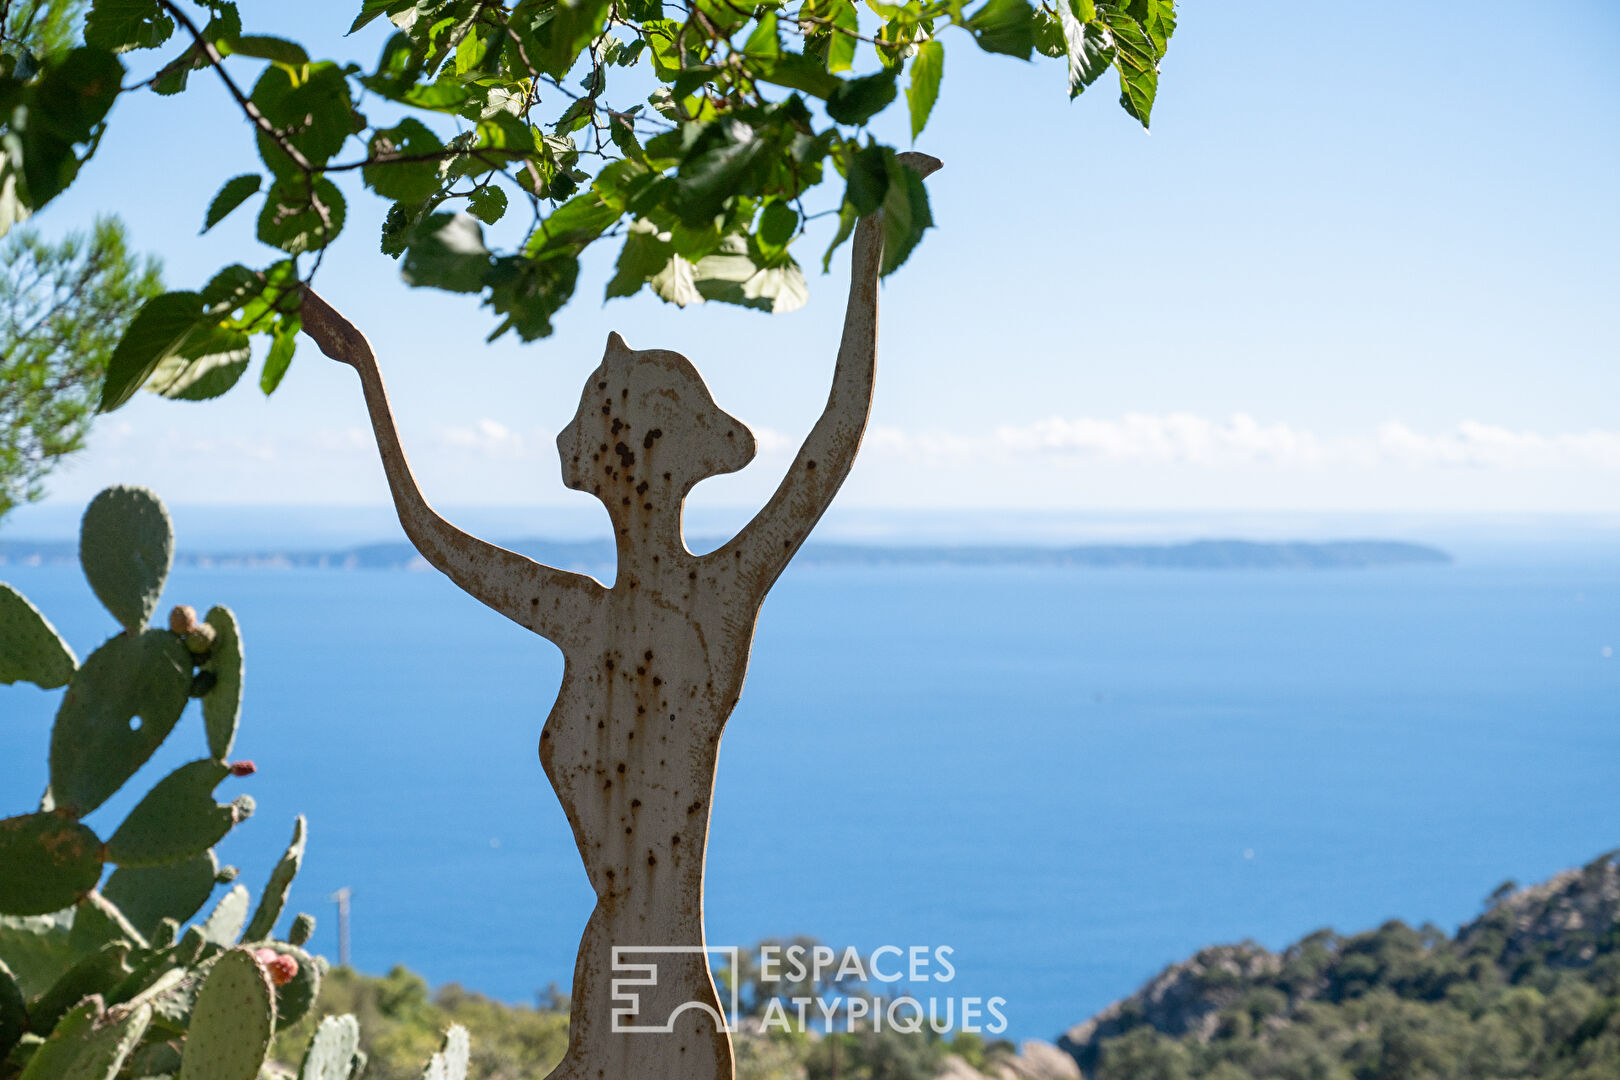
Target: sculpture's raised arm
{"type": "Point", "coordinates": [762, 549]}
{"type": "Point", "coordinates": [549, 601]}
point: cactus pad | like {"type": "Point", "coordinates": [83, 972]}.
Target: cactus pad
{"type": "Point", "coordinates": [13, 1011]}
{"type": "Point", "coordinates": [224, 923]}
{"type": "Point", "coordinates": [97, 974]}
{"type": "Point", "coordinates": [302, 929]}
{"type": "Point", "coordinates": [178, 819]}
{"type": "Point", "coordinates": [36, 948]}
{"type": "Point", "coordinates": [149, 894]}
{"type": "Point", "coordinates": [232, 1022]}
{"type": "Point", "coordinates": [450, 1063]}
{"type": "Point", "coordinates": [119, 707]}
{"type": "Point", "coordinates": [90, 1043]}
{"type": "Point", "coordinates": [332, 1050]}
{"type": "Point", "coordinates": [30, 648]}
{"type": "Point", "coordinates": [127, 545]}
{"type": "Point", "coordinates": [97, 922]}
{"type": "Point", "coordinates": [274, 897]}
{"type": "Point", "coordinates": [47, 861]}
{"type": "Point", "coordinates": [222, 704]}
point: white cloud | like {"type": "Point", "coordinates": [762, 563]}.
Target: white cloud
{"type": "Point", "coordinates": [490, 439]}
{"type": "Point", "coordinates": [1187, 439]}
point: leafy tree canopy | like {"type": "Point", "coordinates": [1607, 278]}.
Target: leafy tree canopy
{"type": "Point", "coordinates": [695, 133]}
{"type": "Point", "coordinates": [63, 308]}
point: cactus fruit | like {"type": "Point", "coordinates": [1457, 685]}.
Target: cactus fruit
{"type": "Point", "coordinates": [450, 1063]}
{"type": "Point", "coordinates": [90, 1043]}
{"type": "Point", "coordinates": [232, 1022]}
{"type": "Point", "coordinates": [302, 929]}
{"type": "Point", "coordinates": [296, 996]}
{"type": "Point", "coordinates": [30, 648]}
{"type": "Point", "coordinates": [222, 703]}
{"type": "Point", "coordinates": [149, 894]}
{"type": "Point", "coordinates": [47, 861]}
{"type": "Point", "coordinates": [182, 619]}
{"type": "Point", "coordinates": [127, 545]}
{"type": "Point", "coordinates": [332, 1050]}
{"type": "Point", "coordinates": [200, 641]}
{"type": "Point", "coordinates": [120, 705]}
{"type": "Point", "coordinates": [226, 875]}
{"type": "Point", "coordinates": [243, 768]}
{"type": "Point", "coordinates": [283, 968]}
{"type": "Point", "coordinates": [176, 820]}
{"type": "Point", "coordinates": [274, 897]}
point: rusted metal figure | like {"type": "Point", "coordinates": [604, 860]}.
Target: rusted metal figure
{"type": "Point", "coordinates": [653, 665]}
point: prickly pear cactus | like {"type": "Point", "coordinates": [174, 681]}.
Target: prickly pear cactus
{"type": "Point", "coordinates": [98, 971]}
{"type": "Point", "coordinates": [30, 648]}
{"type": "Point", "coordinates": [105, 979]}
{"type": "Point", "coordinates": [127, 546]}
{"type": "Point", "coordinates": [232, 1022]}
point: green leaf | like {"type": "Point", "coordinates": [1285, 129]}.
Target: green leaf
{"type": "Point", "coordinates": [207, 362]}
{"type": "Point", "coordinates": [447, 252]}
{"type": "Point", "coordinates": [842, 38]}
{"type": "Point", "coordinates": [30, 648]}
{"type": "Point", "coordinates": [905, 216]}
{"type": "Point", "coordinates": [1005, 26]}
{"type": "Point", "coordinates": [178, 819]}
{"type": "Point", "coordinates": [280, 356]}
{"type": "Point", "coordinates": [560, 39]}
{"type": "Point", "coordinates": [927, 67]}
{"type": "Point", "coordinates": [869, 175]}
{"type": "Point", "coordinates": [117, 25]}
{"type": "Point", "coordinates": [777, 224]}
{"type": "Point", "coordinates": [155, 332]}
{"type": "Point", "coordinates": [274, 49]}
{"type": "Point", "coordinates": [847, 216]}
{"type": "Point", "coordinates": [224, 923]}
{"type": "Point", "coordinates": [1090, 50]}
{"type": "Point", "coordinates": [47, 862]}
{"type": "Point", "coordinates": [405, 181]}
{"type": "Point", "coordinates": [530, 291]}
{"type": "Point", "coordinates": [36, 948]}
{"type": "Point", "coordinates": [95, 747]}
{"type": "Point", "coordinates": [764, 41]}
{"type": "Point", "coordinates": [858, 100]}
{"type": "Point", "coordinates": [1136, 62]}
{"type": "Point", "coordinates": [299, 216]}
{"type": "Point", "coordinates": [798, 72]}
{"type": "Point", "coordinates": [236, 191]}
{"type": "Point", "coordinates": [644, 255]}
{"type": "Point", "coordinates": [488, 204]}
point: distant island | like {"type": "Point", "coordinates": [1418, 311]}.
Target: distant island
{"type": "Point", "coordinates": [589, 555]}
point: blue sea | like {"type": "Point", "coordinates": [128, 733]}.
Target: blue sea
{"type": "Point", "coordinates": [1071, 778]}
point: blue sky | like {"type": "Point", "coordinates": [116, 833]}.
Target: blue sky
{"type": "Point", "coordinates": [1363, 262]}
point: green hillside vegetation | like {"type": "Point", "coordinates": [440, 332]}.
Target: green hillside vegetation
{"type": "Point", "coordinates": [1529, 990]}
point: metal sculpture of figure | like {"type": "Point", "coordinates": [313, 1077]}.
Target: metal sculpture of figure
{"type": "Point", "coordinates": [653, 666]}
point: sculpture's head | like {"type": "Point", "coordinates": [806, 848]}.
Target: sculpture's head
{"type": "Point", "coordinates": [648, 430]}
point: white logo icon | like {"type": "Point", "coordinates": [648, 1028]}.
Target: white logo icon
{"type": "Point", "coordinates": [630, 975]}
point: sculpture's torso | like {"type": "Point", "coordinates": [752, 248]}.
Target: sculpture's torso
{"type": "Point", "coordinates": [631, 748]}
